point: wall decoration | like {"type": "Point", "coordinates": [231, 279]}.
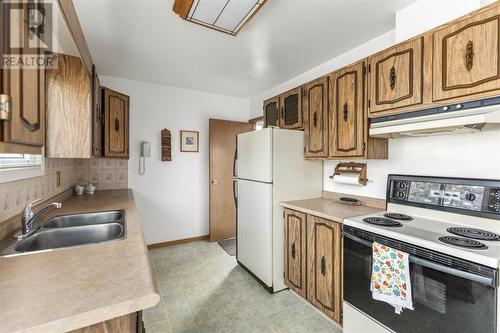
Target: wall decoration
{"type": "Point", "coordinates": [189, 141]}
{"type": "Point", "coordinates": [166, 145]}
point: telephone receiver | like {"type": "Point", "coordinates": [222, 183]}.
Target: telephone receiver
{"type": "Point", "coordinates": [145, 152]}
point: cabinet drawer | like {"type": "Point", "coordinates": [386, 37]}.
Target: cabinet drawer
{"type": "Point", "coordinates": [467, 57]}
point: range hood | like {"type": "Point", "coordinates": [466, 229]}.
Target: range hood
{"type": "Point", "coordinates": [467, 117]}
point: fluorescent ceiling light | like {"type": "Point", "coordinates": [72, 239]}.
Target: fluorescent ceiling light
{"type": "Point", "coordinates": [227, 16]}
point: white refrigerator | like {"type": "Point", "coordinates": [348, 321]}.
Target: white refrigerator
{"type": "Point", "coordinates": [270, 168]}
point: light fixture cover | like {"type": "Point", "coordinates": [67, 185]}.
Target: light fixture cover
{"type": "Point", "coordinates": [227, 16]}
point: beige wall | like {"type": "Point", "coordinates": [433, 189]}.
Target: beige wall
{"type": "Point", "coordinates": [106, 174]}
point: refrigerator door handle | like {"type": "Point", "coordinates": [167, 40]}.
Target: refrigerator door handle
{"type": "Point", "coordinates": [235, 158]}
{"type": "Point", "coordinates": [235, 197]}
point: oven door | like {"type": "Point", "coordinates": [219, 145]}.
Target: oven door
{"type": "Point", "coordinates": [445, 298]}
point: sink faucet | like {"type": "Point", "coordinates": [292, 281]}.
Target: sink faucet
{"type": "Point", "coordinates": [29, 220]}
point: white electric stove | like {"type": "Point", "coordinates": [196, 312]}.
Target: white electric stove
{"type": "Point", "coordinates": [450, 228]}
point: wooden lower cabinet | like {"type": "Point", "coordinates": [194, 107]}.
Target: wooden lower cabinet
{"type": "Point", "coordinates": [313, 261]}
{"type": "Point", "coordinates": [295, 246]}
{"type": "Point", "coordinates": [131, 323]}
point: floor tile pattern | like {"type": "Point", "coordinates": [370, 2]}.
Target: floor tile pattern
{"type": "Point", "coordinates": [204, 290]}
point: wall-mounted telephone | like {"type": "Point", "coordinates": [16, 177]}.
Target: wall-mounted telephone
{"type": "Point", "coordinates": [145, 152]}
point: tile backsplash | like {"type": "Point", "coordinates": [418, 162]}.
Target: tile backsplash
{"type": "Point", "coordinates": [105, 174]}
{"type": "Point", "coordinates": [14, 196]}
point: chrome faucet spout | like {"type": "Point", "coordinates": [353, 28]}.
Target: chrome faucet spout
{"type": "Point", "coordinates": [29, 219]}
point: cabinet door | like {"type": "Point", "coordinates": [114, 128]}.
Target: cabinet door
{"type": "Point", "coordinates": [97, 117]}
{"type": "Point", "coordinates": [291, 109]}
{"type": "Point", "coordinates": [466, 57]}
{"type": "Point", "coordinates": [25, 87]}
{"type": "Point", "coordinates": [396, 77]}
{"type": "Point", "coordinates": [271, 112]}
{"type": "Point", "coordinates": [315, 106]}
{"type": "Point", "coordinates": [347, 115]}
{"type": "Point", "coordinates": [295, 245]}
{"type": "Point", "coordinates": [324, 274]}
{"type": "Point", "coordinates": [116, 118]}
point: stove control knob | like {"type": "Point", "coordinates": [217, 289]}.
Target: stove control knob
{"type": "Point", "coordinates": [401, 195]}
{"type": "Point", "coordinates": [470, 196]}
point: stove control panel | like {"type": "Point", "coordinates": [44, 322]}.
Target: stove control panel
{"type": "Point", "coordinates": [493, 197]}
{"type": "Point", "coordinates": [479, 197]}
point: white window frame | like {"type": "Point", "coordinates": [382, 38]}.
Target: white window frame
{"type": "Point", "coordinates": [10, 175]}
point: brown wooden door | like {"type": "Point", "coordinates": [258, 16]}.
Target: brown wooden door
{"type": "Point", "coordinates": [347, 115]}
{"type": "Point", "coordinates": [97, 116]}
{"type": "Point", "coordinates": [395, 77]}
{"type": "Point", "coordinates": [25, 86]}
{"type": "Point", "coordinates": [295, 251]}
{"type": "Point", "coordinates": [116, 123]}
{"type": "Point", "coordinates": [467, 57]}
{"type": "Point", "coordinates": [222, 191]}
{"type": "Point", "coordinates": [315, 106]}
{"type": "Point", "coordinates": [291, 109]}
{"type": "Point", "coordinates": [324, 260]}
{"type": "Point", "coordinates": [271, 112]}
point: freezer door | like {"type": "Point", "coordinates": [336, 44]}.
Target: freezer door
{"type": "Point", "coordinates": [254, 228]}
{"type": "Point", "coordinates": [255, 155]}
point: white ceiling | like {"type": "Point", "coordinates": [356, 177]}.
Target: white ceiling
{"type": "Point", "coordinates": [144, 40]}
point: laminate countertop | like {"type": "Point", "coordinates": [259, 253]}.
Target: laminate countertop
{"type": "Point", "coordinates": [69, 288]}
{"type": "Point", "coordinates": [329, 209]}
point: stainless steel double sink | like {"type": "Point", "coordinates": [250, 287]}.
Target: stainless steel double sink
{"type": "Point", "coordinates": [76, 229]}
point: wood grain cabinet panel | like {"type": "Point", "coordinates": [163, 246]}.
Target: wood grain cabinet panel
{"type": "Point", "coordinates": [69, 109]}
{"type": "Point", "coordinates": [396, 77]}
{"type": "Point", "coordinates": [271, 112]}
{"type": "Point", "coordinates": [315, 106]}
{"type": "Point", "coordinates": [26, 89]}
{"type": "Point", "coordinates": [131, 323]}
{"type": "Point", "coordinates": [116, 124]}
{"type": "Point", "coordinates": [324, 266]}
{"type": "Point", "coordinates": [347, 115]}
{"type": "Point", "coordinates": [295, 249]}
{"type": "Point", "coordinates": [467, 57]}
{"type": "Point", "coordinates": [291, 109]}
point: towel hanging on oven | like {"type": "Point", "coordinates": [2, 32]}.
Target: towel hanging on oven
{"type": "Point", "coordinates": [390, 280]}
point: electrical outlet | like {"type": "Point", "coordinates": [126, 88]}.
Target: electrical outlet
{"type": "Point", "coordinates": [58, 179]}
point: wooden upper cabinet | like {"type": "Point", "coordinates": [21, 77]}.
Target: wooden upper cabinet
{"type": "Point", "coordinates": [315, 106]}
{"type": "Point", "coordinates": [396, 77]}
{"type": "Point", "coordinates": [291, 109]}
{"type": "Point", "coordinates": [271, 112]}
{"type": "Point", "coordinates": [116, 124]}
{"type": "Point", "coordinates": [467, 57]}
{"type": "Point", "coordinates": [25, 89]}
{"type": "Point", "coordinates": [324, 266]}
{"type": "Point", "coordinates": [97, 116]}
{"type": "Point", "coordinates": [295, 249]}
{"type": "Point", "coordinates": [347, 115]}
{"type": "Point", "coordinates": [69, 109]}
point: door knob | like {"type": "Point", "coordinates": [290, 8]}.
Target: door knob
{"type": "Point", "coordinates": [213, 181]}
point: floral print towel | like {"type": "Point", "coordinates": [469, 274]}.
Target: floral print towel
{"type": "Point", "coordinates": [390, 281]}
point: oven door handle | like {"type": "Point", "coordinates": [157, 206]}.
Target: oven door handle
{"type": "Point", "coordinates": [433, 265]}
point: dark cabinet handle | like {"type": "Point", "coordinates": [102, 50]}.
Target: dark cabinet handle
{"type": "Point", "coordinates": [293, 250]}
{"type": "Point", "coordinates": [315, 119]}
{"type": "Point", "coordinates": [469, 55]}
{"type": "Point", "coordinates": [392, 78]}
{"type": "Point", "coordinates": [282, 113]}
{"type": "Point", "coordinates": [323, 265]}
{"type": "Point", "coordinates": [346, 111]}
{"type": "Point", "coordinates": [117, 124]}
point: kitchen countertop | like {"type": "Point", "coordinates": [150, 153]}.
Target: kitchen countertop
{"type": "Point", "coordinates": [328, 209]}
{"type": "Point", "coordinates": [69, 288]}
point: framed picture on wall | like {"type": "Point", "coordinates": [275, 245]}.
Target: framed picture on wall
{"type": "Point", "coordinates": [190, 141]}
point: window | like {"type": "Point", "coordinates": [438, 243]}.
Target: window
{"type": "Point", "coordinates": [16, 161]}
{"type": "Point", "coordinates": [20, 166]}
{"type": "Point", "coordinates": [257, 123]}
